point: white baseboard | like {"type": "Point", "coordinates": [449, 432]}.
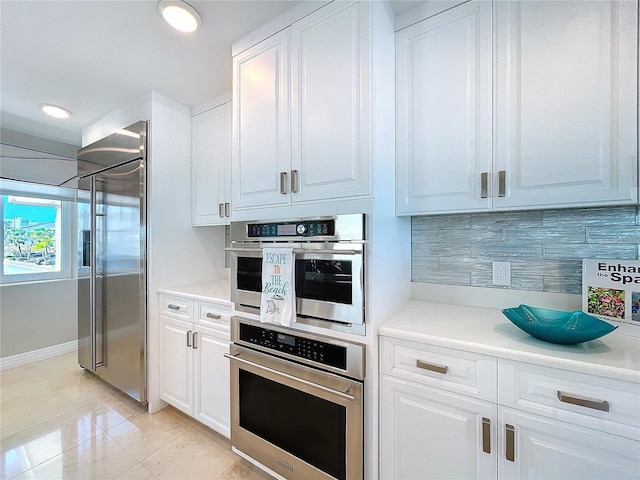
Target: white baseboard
{"type": "Point", "coordinates": [36, 355]}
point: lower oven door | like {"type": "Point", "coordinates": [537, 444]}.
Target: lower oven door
{"type": "Point", "coordinates": [298, 421]}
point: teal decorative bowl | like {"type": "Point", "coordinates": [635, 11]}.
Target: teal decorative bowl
{"type": "Point", "coordinates": [555, 326]}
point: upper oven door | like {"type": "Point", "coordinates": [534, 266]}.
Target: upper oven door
{"type": "Point", "coordinates": [246, 278]}
{"type": "Point", "coordinates": [328, 281]}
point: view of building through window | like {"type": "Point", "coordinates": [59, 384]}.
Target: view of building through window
{"type": "Point", "coordinates": [32, 229]}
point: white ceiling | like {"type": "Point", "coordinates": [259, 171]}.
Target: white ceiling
{"type": "Point", "coordinates": [93, 56]}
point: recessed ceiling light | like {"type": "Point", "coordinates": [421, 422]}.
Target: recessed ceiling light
{"type": "Point", "coordinates": [56, 111]}
{"type": "Point", "coordinates": [180, 15]}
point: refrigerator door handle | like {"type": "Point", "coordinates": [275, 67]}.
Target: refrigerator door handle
{"type": "Point", "coordinates": [96, 285]}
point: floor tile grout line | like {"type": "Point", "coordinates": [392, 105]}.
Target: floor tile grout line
{"type": "Point", "coordinates": [150, 454]}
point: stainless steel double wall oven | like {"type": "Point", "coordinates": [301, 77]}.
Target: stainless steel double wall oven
{"type": "Point", "coordinates": [297, 392]}
{"type": "Point", "coordinates": [329, 268]}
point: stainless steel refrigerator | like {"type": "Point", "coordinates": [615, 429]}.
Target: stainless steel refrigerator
{"type": "Point", "coordinates": [112, 280]}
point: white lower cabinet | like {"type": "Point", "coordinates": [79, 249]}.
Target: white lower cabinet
{"type": "Point", "coordinates": [438, 413]}
{"type": "Point", "coordinates": [211, 374]}
{"type": "Point", "coordinates": [533, 446]}
{"type": "Point", "coordinates": [176, 379]}
{"type": "Point", "coordinates": [447, 413]}
{"type": "Point", "coordinates": [194, 374]}
{"type": "Point", "coordinates": [560, 424]}
{"type": "Point", "coordinates": [428, 433]}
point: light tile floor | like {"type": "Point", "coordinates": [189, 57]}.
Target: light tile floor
{"type": "Point", "coordinates": [59, 422]}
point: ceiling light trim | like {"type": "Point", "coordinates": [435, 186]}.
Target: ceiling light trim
{"type": "Point", "coordinates": [180, 15]}
{"type": "Point", "coordinates": [55, 111]}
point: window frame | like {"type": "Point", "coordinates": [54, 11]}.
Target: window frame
{"type": "Point", "coordinates": [65, 249]}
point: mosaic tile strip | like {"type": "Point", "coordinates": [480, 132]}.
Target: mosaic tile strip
{"type": "Point", "coordinates": [545, 247]}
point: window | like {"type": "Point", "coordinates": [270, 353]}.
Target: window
{"type": "Point", "coordinates": [36, 233]}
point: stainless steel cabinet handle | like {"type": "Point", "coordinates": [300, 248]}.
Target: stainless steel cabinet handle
{"type": "Point", "coordinates": [294, 181]}
{"type": "Point", "coordinates": [227, 209]}
{"type": "Point", "coordinates": [290, 377]}
{"type": "Point", "coordinates": [171, 306]}
{"type": "Point", "coordinates": [433, 367]}
{"type": "Point", "coordinates": [486, 435]}
{"type": "Point", "coordinates": [283, 183]}
{"type": "Point", "coordinates": [189, 333]}
{"type": "Point", "coordinates": [284, 464]}
{"type": "Point", "coordinates": [510, 452]}
{"type": "Point", "coordinates": [195, 340]}
{"type": "Point", "coordinates": [221, 209]}
{"type": "Point", "coordinates": [502, 183]}
{"type": "Point", "coordinates": [484, 185]}
{"type": "Point", "coordinates": [583, 402]}
{"type": "Point", "coordinates": [215, 316]}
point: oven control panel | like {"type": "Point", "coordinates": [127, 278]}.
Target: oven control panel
{"type": "Point", "coordinates": [310, 349]}
{"type": "Point", "coordinates": [309, 228]}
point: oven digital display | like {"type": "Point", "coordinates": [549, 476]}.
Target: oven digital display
{"type": "Point", "coordinates": [286, 339]}
{"type": "Point", "coordinates": [286, 229]}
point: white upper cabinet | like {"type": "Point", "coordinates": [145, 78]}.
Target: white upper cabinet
{"type": "Point", "coordinates": [566, 102]}
{"type": "Point", "coordinates": [562, 86]}
{"type": "Point", "coordinates": [329, 119]}
{"type": "Point", "coordinates": [211, 166]}
{"type": "Point", "coordinates": [261, 151]}
{"type": "Point", "coordinates": [443, 71]}
{"type": "Point", "coordinates": [302, 111]}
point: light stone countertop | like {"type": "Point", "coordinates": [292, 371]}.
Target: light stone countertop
{"type": "Point", "coordinates": [218, 291]}
{"type": "Point", "coordinates": [488, 331]}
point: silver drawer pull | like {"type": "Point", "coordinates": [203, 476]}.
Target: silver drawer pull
{"type": "Point", "coordinates": [510, 448]}
{"type": "Point", "coordinates": [486, 435]}
{"type": "Point", "coordinates": [189, 336]}
{"type": "Point", "coordinates": [583, 402]}
{"type": "Point", "coordinates": [433, 367]}
{"type": "Point", "coordinates": [171, 306]}
{"type": "Point", "coordinates": [484, 185]}
{"type": "Point", "coordinates": [195, 340]}
{"type": "Point", "coordinates": [215, 316]}
{"type": "Point", "coordinates": [221, 210]}
{"type": "Point", "coordinates": [283, 183]}
{"type": "Point", "coordinates": [502, 183]}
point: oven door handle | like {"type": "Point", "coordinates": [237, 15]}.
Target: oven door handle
{"type": "Point", "coordinates": [291, 377]}
{"type": "Point", "coordinates": [306, 251]}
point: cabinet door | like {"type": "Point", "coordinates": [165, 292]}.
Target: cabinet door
{"type": "Point", "coordinates": [211, 166]}
{"type": "Point", "coordinates": [427, 433]}
{"type": "Point", "coordinates": [212, 379]}
{"type": "Point", "coordinates": [549, 449]}
{"type": "Point", "coordinates": [176, 363]}
{"type": "Point", "coordinates": [566, 102]}
{"type": "Point", "coordinates": [261, 155]}
{"type": "Point", "coordinates": [330, 107]}
{"type": "Point", "coordinates": [443, 68]}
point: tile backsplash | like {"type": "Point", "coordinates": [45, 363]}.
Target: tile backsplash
{"type": "Point", "coordinates": [545, 247]}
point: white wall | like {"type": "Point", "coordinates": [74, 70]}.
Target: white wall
{"type": "Point", "coordinates": [38, 315]}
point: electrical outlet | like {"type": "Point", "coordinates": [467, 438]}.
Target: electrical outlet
{"type": "Point", "coordinates": [501, 273]}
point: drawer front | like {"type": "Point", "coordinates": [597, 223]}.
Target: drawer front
{"type": "Point", "coordinates": [213, 315]}
{"type": "Point", "coordinates": [454, 370]}
{"type": "Point", "coordinates": [588, 400]}
{"type": "Point", "coordinates": [177, 307]}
